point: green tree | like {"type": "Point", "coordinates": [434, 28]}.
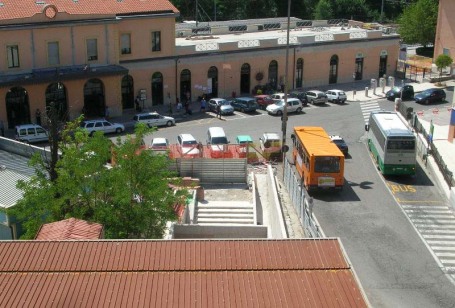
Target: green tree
{"type": "Point", "coordinates": [132, 199]}
{"type": "Point", "coordinates": [418, 22]}
{"type": "Point", "coordinates": [342, 9]}
{"type": "Point", "coordinates": [443, 61]}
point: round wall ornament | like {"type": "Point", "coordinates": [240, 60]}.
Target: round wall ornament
{"type": "Point", "coordinates": [50, 11]}
{"type": "Point", "coordinates": [259, 76]}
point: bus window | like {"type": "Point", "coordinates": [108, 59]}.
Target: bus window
{"type": "Point", "coordinates": [327, 164]}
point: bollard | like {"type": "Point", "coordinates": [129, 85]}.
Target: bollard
{"type": "Point", "coordinates": [374, 85]}
{"type": "Point", "coordinates": [382, 84]}
{"type": "Point", "coordinates": [391, 81]}
{"type": "Point", "coordinates": [366, 91]}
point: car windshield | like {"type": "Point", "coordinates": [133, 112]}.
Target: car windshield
{"type": "Point", "coordinates": [224, 103]}
{"type": "Point", "coordinates": [219, 140]}
{"type": "Point", "coordinates": [327, 164]}
{"type": "Point", "coordinates": [280, 103]}
{"type": "Point", "coordinates": [189, 142]}
{"type": "Point", "coordinates": [339, 142]}
{"type": "Point", "coordinates": [427, 92]}
{"type": "Point", "coordinates": [396, 89]}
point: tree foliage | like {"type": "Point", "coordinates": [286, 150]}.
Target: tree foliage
{"type": "Point", "coordinates": [131, 200]}
{"type": "Point", "coordinates": [443, 61]}
{"type": "Point", "coordinates": [418, 22]}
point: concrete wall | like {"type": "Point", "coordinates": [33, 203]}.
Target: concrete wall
{"type": "Point", "coordinates": [20, 148]}
{"type": "Point", "coordinates": [275, 215]}
{"type": "Point", "coordinates": [239, 231]}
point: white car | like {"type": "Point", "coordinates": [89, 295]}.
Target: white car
{"type": "Point", "coordinates": [336, 96]}
{"type": "Point", "coordinates": [293, 105]}
{"type": "Point", "coordinates": [154, 119]}
{"type": "Point", "coordinates": [31, 133]}
{"type": "Point", "coordinates": [270, 145]}
{"type": "Point", "coordinates": [105, 126]}
{"type": "Point", "coordinates": [159, 144]}
{"type": "Point", "coordinates": [277, 97]}
{"type": "Point", "coordinates": [188, 146]}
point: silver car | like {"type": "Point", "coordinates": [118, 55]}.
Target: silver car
{"type": "Point", "coordinates": [225, 106]}
{"type": "Point", "coordinates": [316, 97]}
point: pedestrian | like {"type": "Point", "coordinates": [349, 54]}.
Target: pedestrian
{"type": "Point", "coordinates": [137, 103]}
{"type": "Point", "coordinates": [107, 112]}
{"type": "Point", "coordinates": [203, 104]}
{"type": "Point", "coordinates": [218, 110]}
{"type": "Point", "coordinates": [2, 129]}
{"type": "Point", "coordinates": [38, 116]}
{"type": "Point", "coordinates": [187, 107]}
{"type": "Point", "coordinates": [179, 106]}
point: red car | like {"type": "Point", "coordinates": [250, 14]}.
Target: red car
{"type": "Point", "coordinates": [263, 101]}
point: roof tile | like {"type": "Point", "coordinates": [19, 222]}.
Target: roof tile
{"type": "Point", "coordinates": [70, 229]}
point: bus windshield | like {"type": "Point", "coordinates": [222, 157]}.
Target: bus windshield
{"type": "Point", "coordinates": [327, 164]}
{"type": "Point", "coordinates": [400, 145]}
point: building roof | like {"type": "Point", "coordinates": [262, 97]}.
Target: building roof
{"type": "Point", "coordinates": [178, 273]}
{"type": "Point", "coordinates": [70, 229]}
{"type": "Point", "coordinates": [14, 9]}
{"type": "Point", "coordinates": [10, 193]}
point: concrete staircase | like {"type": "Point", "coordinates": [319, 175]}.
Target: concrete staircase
{"type": "Point", "coordinates": [225, 213]}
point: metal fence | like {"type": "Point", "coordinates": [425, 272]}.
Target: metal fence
{"type": "Point", "coordinates": [212, 171]}
{"type": "Point", "coordinates": [433, 150]}
{"type": "Point", "coordinates": [302, 202]}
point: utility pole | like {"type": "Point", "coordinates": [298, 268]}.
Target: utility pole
{"type": "Point", "coordinates": [284, 121]}
{"type": "Point", "coordinates": [382, 11]}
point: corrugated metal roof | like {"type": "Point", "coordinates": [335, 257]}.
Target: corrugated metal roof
{"type": "Point", "coordinates": [70, 229]}
{"type": "Point", "coordinates": [14, 9]}
{"type": "Point", "coordinates": [10, 194]}
{"type": "Point", "coordinates": [177, 273]}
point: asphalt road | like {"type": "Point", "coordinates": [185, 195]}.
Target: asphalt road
{"type": "Point", "coordinates": [394, 265]}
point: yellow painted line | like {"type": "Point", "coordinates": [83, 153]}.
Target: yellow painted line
{"type": "Point", "coordinates": [418, 201]}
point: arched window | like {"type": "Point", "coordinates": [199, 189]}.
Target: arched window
{"type": "Point", "coordinates": [185, 85]}
{"type": "Point", "coordinates": [127, 92]}
{"type": "Point", "coordinates": [157, 89]}
{"type": "Point", "coordinates": [94, 100]}
{"type": "Point", "coordinates": [245, 75]}
{"type": "Point", "coordinates": [212, 77]}
{"type": "Point", "coordinates": [333, 75]}
{"type": "Point", "coordinates": [17, 107]}
{"type": "Point", "coordinates": [56, 100]}
{"type": "Point", "coordinates": [273, 74]}
{"type": "Point", "coordinates": [299, 73]}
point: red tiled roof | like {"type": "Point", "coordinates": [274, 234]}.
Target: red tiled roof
{"type": "Point", "coordinates": [177, 273]}
{"type": "Point", "coordinates": [12, 9]}
{"type": "Point", "coordinates": [69, 229]}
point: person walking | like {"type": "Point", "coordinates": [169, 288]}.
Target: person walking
{"type": "Point", "coordinates": [2, 129]}
{"type": "Point", "coordinates": [218, 111]}
{"type": "Point", "coordinates": [38, 116]}
{"type": "Point", "coordinates": [203, 104]}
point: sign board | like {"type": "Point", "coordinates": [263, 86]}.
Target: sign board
{"type": "Point", "coordinates": [383, 53]}
{"type": "Point", "coordinates": [359, 55]}
{"type": "Point", "coordinates": [143, 94]}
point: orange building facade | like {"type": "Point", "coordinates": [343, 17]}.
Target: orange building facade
{"type": "Point", "coordinates": [445, 30]}
{"type": "Point", "coordinates": [91, 57]}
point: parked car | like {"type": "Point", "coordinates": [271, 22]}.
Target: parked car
{"type": "Point", "coordinates": [270, 145]}
{"type": "Point", "coordinates": [225, 106]}
{"type": "Point", "coordinates": [336, 96]}
{"type": "Point", "coordinates": [316, 97]}
{"type": "Point", "coordinates": [154, 119]}
{"type": "Point", "coordinates": [217, 142]}
{"type": "Point", "coordinates": [31, 133]}
{"type": "Point", "coordinates": [102, 125]}
{"type": "Point", "coordinates": [159, 143]}
{"type": "Point", "coordinates": [341, 144]}
{"type": "Point", "coordinates": [243, 142]}
{"type": "Point", "coordinates": [263, 101]}
{"type": "Point", "coordinates": [188, 146]}
{"type": "Point", "coordinates": [293, 105]}
{"type": "Point", "coordinates": [405, 92]}
{"type": "Point", "coordinates": [301, 96]}
{"type": "Point", "coordinates": [276, 97]}
{"type": "Point", "coordinates": [244, 104]}
{"type": "Point", "coordinates": [430, 96]}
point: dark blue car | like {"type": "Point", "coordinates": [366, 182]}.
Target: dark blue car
{"type": "Point", "coordinates": [430, 96]}
{"type": "Point", "coordinates": [244, 104]}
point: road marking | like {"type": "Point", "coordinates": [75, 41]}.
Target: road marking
{"type": "Point", "coordinates": [419, 201]}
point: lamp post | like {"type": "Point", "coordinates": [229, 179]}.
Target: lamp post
{"type": "Point", "coordinates": [285, 109]}
{"type": "Point", "coordinates": [354, 91]}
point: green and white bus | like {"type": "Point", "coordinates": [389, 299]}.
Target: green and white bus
{"type": "Point", "coordinates": [392, 143]}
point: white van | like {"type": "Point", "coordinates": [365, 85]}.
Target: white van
{"type": "Point", "coordinates": [31, 133]}
{"type": "Point", "coordinates": [217, 142]}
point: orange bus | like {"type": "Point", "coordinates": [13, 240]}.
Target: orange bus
{"type": "Point", "coordinates": [318, 160]}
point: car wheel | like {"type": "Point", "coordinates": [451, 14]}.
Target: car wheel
{"type": "Point", "coordinates": [91, 134]}
{"type": "Point", "coordinates": [427, 101]}
{"type": "Point", "coordinates": [169, 123]}
{"type": "Point", "coordinates": [279, 112]}
{"type": "Point", "coordinates": [149, 125]}
{"type": "Point", "coordinates": [242, 110]}
{"type": "Point", "coordinates": [312, 102]}
{"type": "Point", "coordinates": [299, 110]}
{"type": "Point", "coordinates": [118, 130]}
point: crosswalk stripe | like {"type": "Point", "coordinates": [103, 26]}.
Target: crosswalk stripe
{"type": "Point", "coordinates": [447, 237]}
{"type": "Point", "coordinates": [430, 216]}
{"type": "Point", "coordinates": [442, 248]}
{"type": "Point", "coordinates": [425, 207]}
{"type": "Point", "coordinates": [433, 221]}
{"type": "Point", "coordinates": [445, 254]}
{"type": "Point", "coordinates": [429, 211]}
{"type": "Point", "coordinates": [435, 227]}
{"type": "Point", "coordinates": [441, 231]}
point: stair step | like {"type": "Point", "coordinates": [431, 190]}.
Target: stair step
{"type": "Point", "coordinates": [226, 206]}
{"type": "Point", "coordinates": [225, 220]}
{"type": "Point", "coordinates": [226, 216]}
{"type": "Point", "coordinates": [246, 210]}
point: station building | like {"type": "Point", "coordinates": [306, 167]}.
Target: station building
{"type": "Point", "coordinates": [90, 56]}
